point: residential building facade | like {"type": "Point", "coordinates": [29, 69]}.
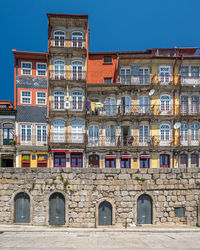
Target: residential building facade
{"type": "Point", "coordinates": [7, 133]}
{"type": "Point", "coordinates": [30, 99]}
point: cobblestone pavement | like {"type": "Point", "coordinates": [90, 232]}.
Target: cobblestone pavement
{"type": "Point", "coordinates": [99, 240]}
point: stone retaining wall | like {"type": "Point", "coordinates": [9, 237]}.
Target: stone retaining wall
{"type": "Point", "coordinates": [84, 189]}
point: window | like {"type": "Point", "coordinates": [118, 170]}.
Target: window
{"type": "Point", "coordinates": [194, 160]}
{"type": "Point", "coordinates": [41, 133]}
{"type": "Point", "coordinates": [195, 71]}
{"type": "Point", "coordinates": [93, 139]}
{"type": "Point", "coordinates": [125, 76]}
{"type": "Point", "coordinates": [25, 133]}
{"type": "Point", "coordinates": [143, 135]}
{"type": "Point", "coordinates": [126, 161]}
{"type": "Point", "coordinates": [25, 97]}
{"type": "Point", "coordinates": [26, 68]}
{"type": "Point", "coordinates": [59, 131]}
{"type": "Point", "coordinates": [165, 105]}
{"type": "Point", "coordinates": [164, 74]}
{"type": "Point", "coordinates": [144, 161]}
{"type": "Point", "coordinates": [195, 134]}
{"type": "Point", "coordinates": [107, 59]}
{"type": "Point", "coordinates": [125, 105]}
{"type": "Point", "coordinates": [59, 97]}
{"type": "Point", "coordinates": [77, 38]}
{"type": "Point", "coordinates": [144, 104]}
{"type": "Point", "coordinates": [41, 98]}
{"type": "Point", "coordinates": [94, 161]}
{"type": "Point", "coordinates": [184, 71]}
{"type": "Point", "coordinates": [164, 134]}
{"type": "Point", "coordinates": [59, 38]}
{"type": "Point", "coordinates": [59, 70]}
{"type": "Point", "coordinates": [195, 105]}
{"type": "Point", "coordinates": [77, 100]}
{"type": "Point", "coordinates": [77, 131]}
{"type": "Point", "coordinates": [110, 135]}
{"type": "Point", "coordinates": [179, 211]}
{"type": "Point", "coordinates": [77, 70]}
{"type": "Point", "coordinates": [26, 160]}
{"type": "Point", "coordinates": [110, 106]}
{"type": "Point", "coordinates": [184, 105]}
{"type": "Point", "coordinates": [42, 160]}
{"type": "Point", "coordinates": [59, 160]}
{"type": "Point", "coordinates": [184, 134]}
{"type": "Point", "coordinates": [108, 80]}
{"type": "Point", "coordinates": [144, 75]}
{"type": "Point", "coordinates": [183, 160]}
{"type": "Point", "coordinates": [8, 133]}
{"type": "Point", "coordinates": [41, 69]}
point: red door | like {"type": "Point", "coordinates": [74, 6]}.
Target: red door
{"type": "Point", "coordinates": [125, 163]}
{"type": "Point", "coordinates": [110, 163]}
{"type": "Point", "coordinates": [144, 162]}
{"type": "Point", "coordinates": [76, 160]}
{"type": "Point", "coordinates": [164, 161]}
{"type": "Point", "coordinates": [59, 160]}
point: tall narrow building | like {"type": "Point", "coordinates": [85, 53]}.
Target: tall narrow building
{"type": "Point", "coordinates": [67, 62]}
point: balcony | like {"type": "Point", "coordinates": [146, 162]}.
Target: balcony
{"type": "Point", "coordinates": [143, 80]}
{"type": "Point", "coordinates": [67, 75]}
{"type": "Point", "coordinates": [73, 106]}
{"type": "Point", "coordinates": [130, 141]}
{"type": "Point", "coordinates": [67, 43]}
{"type": "Point", "coordinates": [189, 140]}
{"type": "Point", "coordinates": [63, 138]}
{"type": "Point", "coordinates": [134, 110]}
{"type": "Point", "coordinates": [190, 80]}
{"type": "Point", "coordinates": [31, 140]}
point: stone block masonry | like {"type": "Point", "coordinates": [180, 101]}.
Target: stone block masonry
{"type": "Point", "coordinates": [85, 189]}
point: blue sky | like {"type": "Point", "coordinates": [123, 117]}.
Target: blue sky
{"type": "Point", "coordinates": [114, 26]}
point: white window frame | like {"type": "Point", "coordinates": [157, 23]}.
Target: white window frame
{"type": "Point", "coordinates": [26, 97]}
{"type": "Point", "coordinates": [26, 69]}
{"type": "Point", "coordinates": [41, 98]}
{"type": "Point", "coordinates": [41, 69]}
{"type": "Point", "coordinates": [165, 78]}
{"type": "Point", "coordinates": [43, 138]}
{"type": "Point", "coordinates": [26, 141]}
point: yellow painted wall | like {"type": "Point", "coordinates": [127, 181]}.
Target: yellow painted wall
{"type": "Point", "coordinates": [33, 163]}
{"type": "Point", "coordinates": [176, 103]}
{"type": "Point", "coordinates": [176, 137]}
{"type": "Point", "coordinates": [154, 132]}
{"type": "Point", "coordinates": [154, 74]}
{"type": "Point", "coordinates": [155, 104]}
{"type": "Point", "coordinates": [135, 163]}
{"type": "Point", "coordinates": [154, 161]}
{"type": "Point", "coordinates": [176, 161]}
{"type": "Point", "coordinates": [176, 75]}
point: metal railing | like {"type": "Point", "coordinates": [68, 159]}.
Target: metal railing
{"type": "Point", "coordinates": [67, 75]}
{"type": "Point", "coordinates": [190, 80]}
{"type": "Point", "coordinates": [189, 140]}
{"type": "Point", "coordinates": [66, 105]}
{"type": "Point", "coordinates": [129, 141]}
{"type": "Point", "coordinates": [67, 43]}
{"type": "Point", "coordinates": [31, 140]}
{"type": "Point", "coordinates": [78, 138]}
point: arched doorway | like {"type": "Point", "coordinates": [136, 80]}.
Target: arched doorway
{"type": "Point", "coordinates": [57, 209]}
{"type": "Point", "coordinates": [144, 209]}
{"type": "Point", "coordinates": [22, 208]}
{"type": "Point", "coordinates": [105, 214]}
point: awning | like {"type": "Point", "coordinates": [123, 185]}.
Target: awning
{"type": "Point", "coordinates": [67, 151]}
{"type": "Point", "coordinates": [110, 157]}
{"type": "Point", "coordinates": [126, 157]}
{"type": "Point", "coordinates": [144, 156]}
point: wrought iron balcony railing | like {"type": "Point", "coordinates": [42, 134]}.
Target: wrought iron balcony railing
{"type": "Point", "coordinates": [76, 138]}
{"type": "Point", "coordinates": [31, 140]}
{"type": "Point", "coordinates": [190, 80]}
{"type": "Point", "coordinates": [67, 75]}
{"type": "Point", "coordinates": [66, 105]}
{"type": "Point", "coordinates": [67, 43]}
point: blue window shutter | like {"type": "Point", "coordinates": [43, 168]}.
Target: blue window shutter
{"type": "Point", "coordinates": [135, 70]}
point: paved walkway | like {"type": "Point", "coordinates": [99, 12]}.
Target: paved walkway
{"type": "Point", "coordinates": [99, 240]}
